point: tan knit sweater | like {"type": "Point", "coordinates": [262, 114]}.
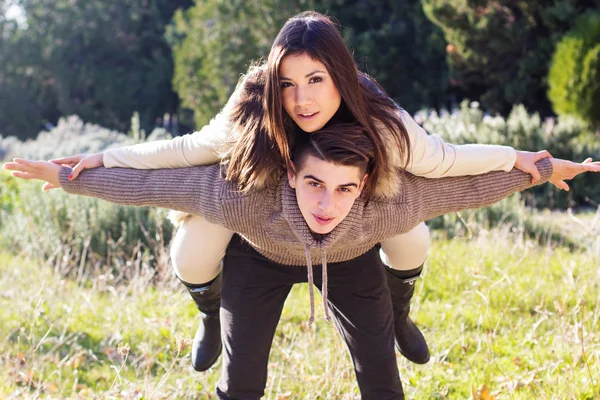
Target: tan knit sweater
{"type": "Point", "coordinates": [270, 219]}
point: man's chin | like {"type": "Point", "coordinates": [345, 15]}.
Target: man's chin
{"type": "Point", "coordinates": [322, 230]}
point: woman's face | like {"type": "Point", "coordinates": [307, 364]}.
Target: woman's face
{"type": "Point", "coordinates": [309, 95]}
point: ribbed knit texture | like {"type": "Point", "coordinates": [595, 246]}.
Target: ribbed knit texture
{"type": "Point", "coordinates": [270, 219]}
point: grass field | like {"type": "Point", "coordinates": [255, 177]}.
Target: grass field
{"type": "Point", "coordinates": [504, 318]}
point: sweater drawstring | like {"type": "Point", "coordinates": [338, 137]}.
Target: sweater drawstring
{"type": "Point", "coordinates": [311, 283]}
{"type": "Point", "coordinates": [324, 287]}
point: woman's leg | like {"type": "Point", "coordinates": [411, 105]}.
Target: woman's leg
{"type": "Point", "coordinates": [253, 295]}
{"type": "Point", "coordinates": [196, 254]}
{"type": "Point", "coordinates": [360, 302]}
{"type": "Point", "coordinates": [404, 256]}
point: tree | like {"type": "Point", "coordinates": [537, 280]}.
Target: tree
{"type": "Point", "coordinates": [215, 41]}
{"type": "Point", "coordinates": [499, 52]}
{"type": "Point", "coordinates": [101, 60]}
{"type": "Point", "coordinates": [396, 44]}
{"type": "Point", "coordinates": [574, 76]}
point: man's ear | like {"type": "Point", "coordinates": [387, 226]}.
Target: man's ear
{"type": "Point", "coordinates": [362, 184]}
{"type": "Point", "coordinates": [291, 173]}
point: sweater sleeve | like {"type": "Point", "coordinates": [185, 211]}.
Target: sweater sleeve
{"type": "Point", "coordinates": [199, 148]}
{"type": "Point", "coordinates": [428, 198]}
{"type": "Point", "coordinates": [194, 190]}
{"type": "Point", "coordinates": [431, 157]}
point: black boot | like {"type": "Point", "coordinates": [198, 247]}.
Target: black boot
{"type": "Point", "coordinates": [409, 338]}
{"type": "Point", "coordinates": [206, 346]}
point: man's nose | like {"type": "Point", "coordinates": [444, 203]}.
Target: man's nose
{"type": "Point", "coordinates": [326, 202]}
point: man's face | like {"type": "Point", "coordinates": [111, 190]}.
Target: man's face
{"type": "Point", "coordinates": [325, 192]}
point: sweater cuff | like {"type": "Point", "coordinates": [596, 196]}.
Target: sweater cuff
{"type": "Point", "coordinates": [74, 186]}
{"type": "Point", "coordinates": [544, 167]}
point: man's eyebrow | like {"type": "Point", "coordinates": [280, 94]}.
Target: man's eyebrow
{"type": "Point", "coordinates": [306, 76]}
{"type": "Point", "coordinates": [314, 178]}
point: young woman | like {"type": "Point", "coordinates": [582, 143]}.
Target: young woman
{"type": "Point", "coordinates": [309, 80]}
{"type": "Point", "coordinates": [321, 214]}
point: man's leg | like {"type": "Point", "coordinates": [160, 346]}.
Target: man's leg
{"type": "Point", "coordinates": [360, 301]}
{"type": "Point", "coordinates": [252, 298]}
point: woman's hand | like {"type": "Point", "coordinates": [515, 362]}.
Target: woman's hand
{"type": "Point", "coordinates": [78, 163]}
{"type": "Point", "coordinates": [564, 170]}
{"type": "Point", "coordinates": [526, 162]}
{"type": "Point", "coordinates": [42, 170]}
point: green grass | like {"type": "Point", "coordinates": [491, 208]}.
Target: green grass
{"type": "Point", "coordinates": [503, 317]}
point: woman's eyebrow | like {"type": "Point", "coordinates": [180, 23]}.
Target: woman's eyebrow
{"type": "Point", "coordinates": [306, 76]}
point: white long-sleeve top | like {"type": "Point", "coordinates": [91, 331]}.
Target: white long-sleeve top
{"type": "Point", "coordinates": [431, 157]}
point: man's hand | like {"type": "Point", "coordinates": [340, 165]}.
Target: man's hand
{"type": "Point", "coordinates": [564, 170]}
{"type": "Point", "coordinates": [42, 170]}
{"type": "Point", "coordinates": [526, 162]}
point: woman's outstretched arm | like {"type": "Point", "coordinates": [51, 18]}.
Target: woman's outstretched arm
{"type": "Point", "coordinates": [432, 157]}
{"type": "Point", "coordinates": [429, 198]}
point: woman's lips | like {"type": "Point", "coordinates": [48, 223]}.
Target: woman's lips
{"type": "Point", "coordinates": [323, 220]}
{"type": "Point", "coordinates": [307, 116]}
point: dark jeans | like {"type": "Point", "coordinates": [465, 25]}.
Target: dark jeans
{"type": "Point", "coordinates": [254, 290]}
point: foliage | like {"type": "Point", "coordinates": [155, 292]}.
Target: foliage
{"type": "Point", "coordinates": [82, 236]}
{"type": "Point", "coordinates": [574, 76]}
{"type": "Point", "coordinates": [396, 44]}
{"type": "Point", "coordinates": [101, 60]}
{"type": "Point", "coordinates": [499, 52]}
{"type": "Point", "coordinates": [564, 137]}
{"type": "Point", "coordinates": [215, 41]}
{"type": "Point", "coordinates": [73, 136]}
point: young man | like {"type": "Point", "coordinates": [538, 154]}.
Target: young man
{"type": "Point", "coordinates": [318, 215]}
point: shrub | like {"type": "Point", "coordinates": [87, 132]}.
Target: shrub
{"type": "Point", "coordinates": [574, 76]}
{"type": "Point", "coordinates": [565, 137]}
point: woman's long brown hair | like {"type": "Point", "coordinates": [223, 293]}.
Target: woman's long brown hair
{"type": "Point", "coordinates": [265, 134]}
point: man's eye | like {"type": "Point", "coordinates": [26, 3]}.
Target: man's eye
{"type": "Point", "coordinates": [345, 190]}
{"type": "Point", "coordinates": [314, 184]}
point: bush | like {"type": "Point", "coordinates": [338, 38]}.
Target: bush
{"type": "Point", "coordinates": [72, 136]}
{"type": "Point", "coordinates": [574, 76]}
{"type": "Point", "coordinates": [565, 137]}
{"type": "Point", "coordinates": [79, 235]}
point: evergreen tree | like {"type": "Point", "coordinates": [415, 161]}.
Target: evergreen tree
{"type": "Point", "coordinates": [574, 76]}
{"type": "Point", "coordinates": [396, 44]}
{"type": "Point", "coordinates": [101, 60]}
{"type": "Point", "coordinates": [499, 52]}
{"type": "Point", "coordinates": [214, 43]}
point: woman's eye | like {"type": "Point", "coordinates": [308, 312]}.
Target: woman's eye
{"type": "Point", "coordinates": [285, 85]}
{"type": "Point", "coordinates": [315, 79]}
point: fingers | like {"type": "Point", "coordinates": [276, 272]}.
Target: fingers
{"type": "Point", "coordinates": [18, 164]}
{"type": "Point", "coordinates": [76, 171]}
{"type": "Point", "coordinates": [48, 186]}
{"type": "Point", "coordinates": [535, 175]}
{"type": "Point", "coordinates": [24, 175]}
{"type": "Point", "coordinates": [71, 160]}
{"type": "Point", "coordinates": [562, 185]}
{"type": "Point", "coordinates": [542, 154]}
{"type": "Point", "coordinates": [587, 160]}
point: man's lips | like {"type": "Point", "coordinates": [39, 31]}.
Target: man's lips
{"type": "Point", "coordinates": [323, 220]}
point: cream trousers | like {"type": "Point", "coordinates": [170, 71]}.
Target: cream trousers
{"type": "Point", "coordinates": [199, 247]}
